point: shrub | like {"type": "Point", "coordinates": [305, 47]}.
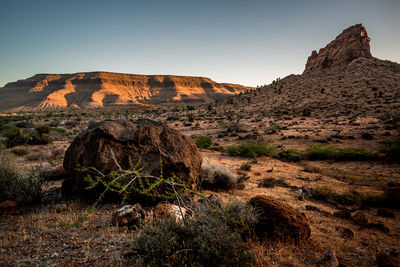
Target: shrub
{"type": "Point", "coordinates": [360, 198]}
{"type": "Point", "coordinates": [207, 239]}
{"type": "Point", "coordinates": [246, 149]}
{"type": "Point", "coordinates": [202, 141]}
{"type": "Point", "coordinates": [394, 150]}
{"type": "Point", "coordinates": [272, 182]}
{"type": "Point", "coordinates": [16, 137]}
{"type": "Point", "coordinates": [42, 129]}
{"type": "Point", "coordinates": [291, 155]}
{"type": "Point", "coordinates": [24, 188]}
{"type": "Point", "coordinates": [216, 176]}
{"type": "Point", "coordinates": [322, 152]}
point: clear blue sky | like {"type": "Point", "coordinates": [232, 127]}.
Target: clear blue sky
{"type": "Point", "coordinates": [247, 42]}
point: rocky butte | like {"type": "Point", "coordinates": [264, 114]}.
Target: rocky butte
{"type": "Point", "coordinates": [351, 44]}
{"type": "Point", "coordinates": [98, 89]}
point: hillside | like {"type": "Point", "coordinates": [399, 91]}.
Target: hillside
{"type": "Point", "coordinates": [342, 79]}
{"type": "Point", "coordinates": [97, 89]}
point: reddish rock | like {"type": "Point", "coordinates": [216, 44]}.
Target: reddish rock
{"type": "Point", "coordinates": [8, 207]}
{"type": "Point", "coordinates": [351, 44]}
{"type": "Point", "coordinates": [110, 144]}
{"type": "Point", "coordinates": [329, 259]}
{"type": "Point", "coordinates": [165, 211]}
{"type": "Point", "coordinates": [279, 220]}
{"type": "Point", "coordinates": [129, 216]}
{"type": "Point", "coordinates": [360, 219]}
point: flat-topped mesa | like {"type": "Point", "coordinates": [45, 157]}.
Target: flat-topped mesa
{"type": "Point", "coordinates": [98, 89]}
{"type": "Point", "coordinates": [351, 44]}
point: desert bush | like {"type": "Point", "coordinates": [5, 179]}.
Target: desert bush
{"type": "Point", "coordinates": [323, 152]}
{"type": "Point", "coordinates": [206, 239]}
{"type": "Point", "coordinates": [16, 137]}
{"type": "Point", "coordinates": [24, 188]}
{"type": "Point", "coordinates": [246, 149]}
{"type": "Point", "coordinates": [42, 129]}
{"type": "Point", "coordinates": [394, 150]}
{"type": "Point", "coordinates": [273, 129]}
{"type": "Point", "coordinates": [41, 136]}
{"type": "Point", "coordinates": [216, 176]}
{"type": "Point", "coordinates": [292, 155]}
{"type": "Point", "coordinates": [360, 198]}
{"type": "Point", "coordinates": [272, 182]}
{"type": "Point", "coordinates": [202, 141]}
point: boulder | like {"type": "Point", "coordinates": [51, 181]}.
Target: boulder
{"type": "Point", "coordinates": [165, 211]}
{"type": "Point", "coordinates": [351, 44]}
{"type": "Point", "coordinates": [153, 147]}
{"type": "Point", "coordinates": [8, 207]}
{"type": "Point", "coordinates": [129, 216]}
{"type": "Point", "coordinates": [279, 220]}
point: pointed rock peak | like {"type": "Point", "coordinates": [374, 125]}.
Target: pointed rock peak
{"type": "Point", "coordinates": [351, 44]}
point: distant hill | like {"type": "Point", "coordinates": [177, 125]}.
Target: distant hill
{"type": "Point", "coordinates": [342, 78]}
{"type": "Point", "coordinates": [98, 89]}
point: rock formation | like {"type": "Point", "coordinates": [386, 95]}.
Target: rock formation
{"type": "Point", "coordinates": [351, 44]}
{"type": "Point", "coordinates": [153, 146]}
{"type": "Point", "coordinates": [97, 89]}
{"type": "Point", "coordinates": [279, 220]}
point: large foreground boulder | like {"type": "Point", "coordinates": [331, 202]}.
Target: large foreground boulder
{"type": "Point", "coordinates": [279, 220]}
{"type": "Point", "coordinates": [109, 145]}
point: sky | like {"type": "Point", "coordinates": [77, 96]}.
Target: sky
{"type": "Point", "coordinates": [249, 42]}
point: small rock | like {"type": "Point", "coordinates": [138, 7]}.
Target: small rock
{"type": "Point", "coordinates": [346, 232]}
{"type": "Point", "coordinates": [164, 211]}
{"type": "Point", "coordinates": [60, 208]}
{"type": "Point", "coordinates": [8, 207]}
{"type": "Point", "coordinates": [329, 259]}
{"type": "Point", "coordinates": [129, 215]}
{"type": "Point", "coordinates": [344, 214]}
{"type": "Point", "coordinates": [360, 219]}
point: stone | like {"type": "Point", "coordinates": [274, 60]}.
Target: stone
{"type": "Point", "coordinates": [165, 211]}
{"type": "Point", "coordinates": [110, 145]}
{"type": "Point", "coordinates": [360, 219]}
{"type": "Point", "coordinates": [8, 207]}
{"type": "Point", "coordinates": [344, 214]}
{"type": "Point", "coordinates": [129, 216]}
{"type": "Point", "coordinates": [351, 44]}
{"type": "Point", "coordinates": [345, 232]}
{"type": "Point", "coordinates": [279, 220]}
{"type": "Point", "coordinates": [329, 259]}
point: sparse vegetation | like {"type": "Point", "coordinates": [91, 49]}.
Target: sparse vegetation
{"type": "Point", "coordinates": [324, 152]}
{"type": "Point", "coordinates": [202, 141]}
{"type": "Point", "coordinates": [246, 149]}
{"type": "Point", "coordinates": [216, 176]}
{"type": "Point", "coordinates": [272, 182]}
{"type": "Point", "coordinates": [24, 188]}
{"type": "Point", "coordinates": [292, 155]}
{"type": "Point", "coordinates": [394, 150]}
{"type": "Point", "coordinates": [360, 198]}
{"type": "Point", "coordinates": [210, 238]}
